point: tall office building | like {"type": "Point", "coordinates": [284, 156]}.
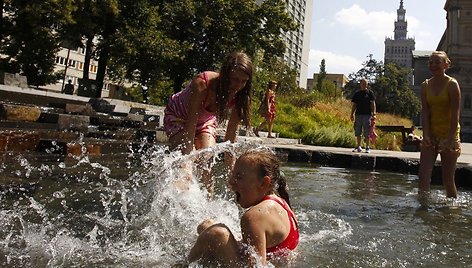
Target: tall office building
{"type": "Point", "coordinates": [399, 49]}
{"type": "Point", "coordinates": [298, 42]}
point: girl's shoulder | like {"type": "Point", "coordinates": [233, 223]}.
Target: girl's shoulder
{"type": "Point", "coordinates": [212, 75]}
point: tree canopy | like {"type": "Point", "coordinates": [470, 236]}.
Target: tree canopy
{"type": "Point", "coordinates": [144, 42]}
{"type": "Point", "coordinates": [391, 86]}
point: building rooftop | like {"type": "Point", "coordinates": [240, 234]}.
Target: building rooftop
{"type": "Point", "coordinates": [421, 53]}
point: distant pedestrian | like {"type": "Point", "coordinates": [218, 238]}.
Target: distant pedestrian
{"type": "Point", "coordinates": [440, 101]}
{"type": "Point", "coordinates": [69, 88]}
{"type": "Point", "coordinates": [363, 108]}
{"type": "Point", "coordinates": [267, 109]}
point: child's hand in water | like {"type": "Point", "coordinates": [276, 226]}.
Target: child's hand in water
{"type": "Point", "coordinates": [184, 179]}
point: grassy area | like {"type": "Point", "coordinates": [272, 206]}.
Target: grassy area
{"type": "Point", "coordinates": [326, 122]}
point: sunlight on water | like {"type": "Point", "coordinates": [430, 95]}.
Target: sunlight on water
{"type": "Point", "coordinates": [79, 213]}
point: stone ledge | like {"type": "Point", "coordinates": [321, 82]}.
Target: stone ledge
{"type": "Point", "coordinates": [370, 162]}
{"type": "Point", "coordinates": [18, 141]}
{"type": "Point", "coordinates": [13, 112]}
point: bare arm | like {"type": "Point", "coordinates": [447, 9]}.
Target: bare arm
{"type": "Point", "coordinates": [253, 235]}
{"type": "Point", "coordinates": [373, 107]}
{"type": "Point", "coordinates": [353, 110]}
{"type": "Point", "coordinates": [454, 98]}
{"type": "Point", "coordinates": [267, 99]}
{"type": "Point", "coordinates": [425, 115]}
{"type": "Point", "coordinates": [198, 93]}
{"type": "Point", "coordinates": [233, 125]}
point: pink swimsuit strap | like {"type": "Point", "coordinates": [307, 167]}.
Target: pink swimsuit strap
{"type": "Point", "coordinates": [291, 242]}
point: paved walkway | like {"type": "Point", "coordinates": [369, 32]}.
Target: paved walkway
{"type": "Point", "coordinates": [465, 158]}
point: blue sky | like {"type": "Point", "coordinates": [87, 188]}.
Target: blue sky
{"type": "Point", "coordinates": [345, 32]}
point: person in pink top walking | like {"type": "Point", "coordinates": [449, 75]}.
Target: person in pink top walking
{"type": "Point", "coordinates": [267, 109]}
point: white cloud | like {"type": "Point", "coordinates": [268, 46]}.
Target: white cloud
{"type": "Point", "coordinates": [375, 24]}
{"type": "Point", "coordinates": [335, 63]}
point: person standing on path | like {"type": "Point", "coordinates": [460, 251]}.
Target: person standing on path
{"type": "Point", "coordinates": [440, 105]}
{"type": "Point", "coordinates": [267, 109]}
{"type": "Point", "coordinates": [363, 107]}
{"type": "Point", "coordinates": [69, 88]}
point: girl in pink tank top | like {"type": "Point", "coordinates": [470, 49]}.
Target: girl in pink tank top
{"type": "Point", "coordinates": [191, 116]}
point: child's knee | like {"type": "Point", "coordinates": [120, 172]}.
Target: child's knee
{"type": "Point", "coordinates": [204, 225]}
{"type": "Point", "coordinates": [219, 233]}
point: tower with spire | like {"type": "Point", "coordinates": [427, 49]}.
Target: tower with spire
{"type": "Point", "coordinates": [399, 49]}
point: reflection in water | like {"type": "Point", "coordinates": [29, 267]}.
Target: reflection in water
{"type": "Point", "coordinates": [129, 213]}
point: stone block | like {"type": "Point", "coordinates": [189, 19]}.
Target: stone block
{"type": "Point", "coordinates": [52, 147]}
{"type": "Point", "coordinates": [83, 109]}
{"type": "Point", "coordinates": [14, 112]}
{"type": "Point", "coordinates": [363, 162]}
{"type": "Point", "coordinates": [296, 155]}
{"type": "Point", "coordinates": [161, 137]}
{"type": "Point", "coordinates": [332, 159]}
{"type": "Point", "coordinates": [132, 124]}
{"type": "Point", "coordinates": [152, 118]}
{"type": "Point", "coordinates": [51, 118]}
{"type": "Point", "coordinates": [16, 80]}
{"type": "Point", "coordinates": [137, 110]}
{"type": "Point", "coordinates": [101, 105]}
{"type": "Point", "coordinates": [105, 121]}
{"type": "Point", "coordinates": [18, 141]}
{"type": "Point", "coordinates": [73, 122]}
{"type": "Point", "coordinates": [77, 149]}
{"type": "Point", "coordinates": [150, 125]}
{"type": "Point", "coordinates": [135, 117]}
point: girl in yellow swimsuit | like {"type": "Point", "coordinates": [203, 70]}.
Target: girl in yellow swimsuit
{"type": "Point", "coordinates": [440, 100]}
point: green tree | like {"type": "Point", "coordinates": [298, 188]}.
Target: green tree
{"type": "Point", "coordinates": [30, 38]}
{"type": "Point", "coordinates": [390, 84]}
{"type": "Point", "coordinates": [93, 25]}
{"type": "Point", "coordinates": [393, 92]}
{"type": "Point", "coordinates": [141, 52]}
{"type": "Point", "coordinates": [209, 30]}
{"type": "Point", "coordinates": [321, 75]}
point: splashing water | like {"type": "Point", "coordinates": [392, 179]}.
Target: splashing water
{"type": "Point", "coordinates": [133, 212]}
{"type": "Point", "coordinates": [95, 220]}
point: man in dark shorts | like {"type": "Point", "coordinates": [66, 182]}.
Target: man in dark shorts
{"type": "Point", "coordinates": [363, 107]}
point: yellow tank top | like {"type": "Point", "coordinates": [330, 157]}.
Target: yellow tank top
{"type": "Point", "coordinates": [440, 112]}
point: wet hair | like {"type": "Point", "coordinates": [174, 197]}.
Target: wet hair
{"type": "Point", "coordinates": [268, 164]}
{"type": "Point", "coordinates": [234, 61]}
{"type": "Point", "coordinates": [442, 55]}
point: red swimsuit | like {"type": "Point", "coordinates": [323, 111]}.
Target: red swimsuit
{"type": "Point", "coordinates": [291, 242]}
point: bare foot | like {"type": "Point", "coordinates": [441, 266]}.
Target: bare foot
{"type": "Point", "coordinates": [270, 136]}
{"type": "Point", "coordinates": [256, 132]}
{"type": "Point", "coordinates": [204, 225]}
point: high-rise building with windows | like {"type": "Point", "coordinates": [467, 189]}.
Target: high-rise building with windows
{"type": "Point", "coordinates": [298, 42]}
{"type": "Point", "coordinates": [399, 49]}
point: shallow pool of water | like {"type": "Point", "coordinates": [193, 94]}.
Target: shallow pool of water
{"type": "Point", "coordinates": [84, 214]}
